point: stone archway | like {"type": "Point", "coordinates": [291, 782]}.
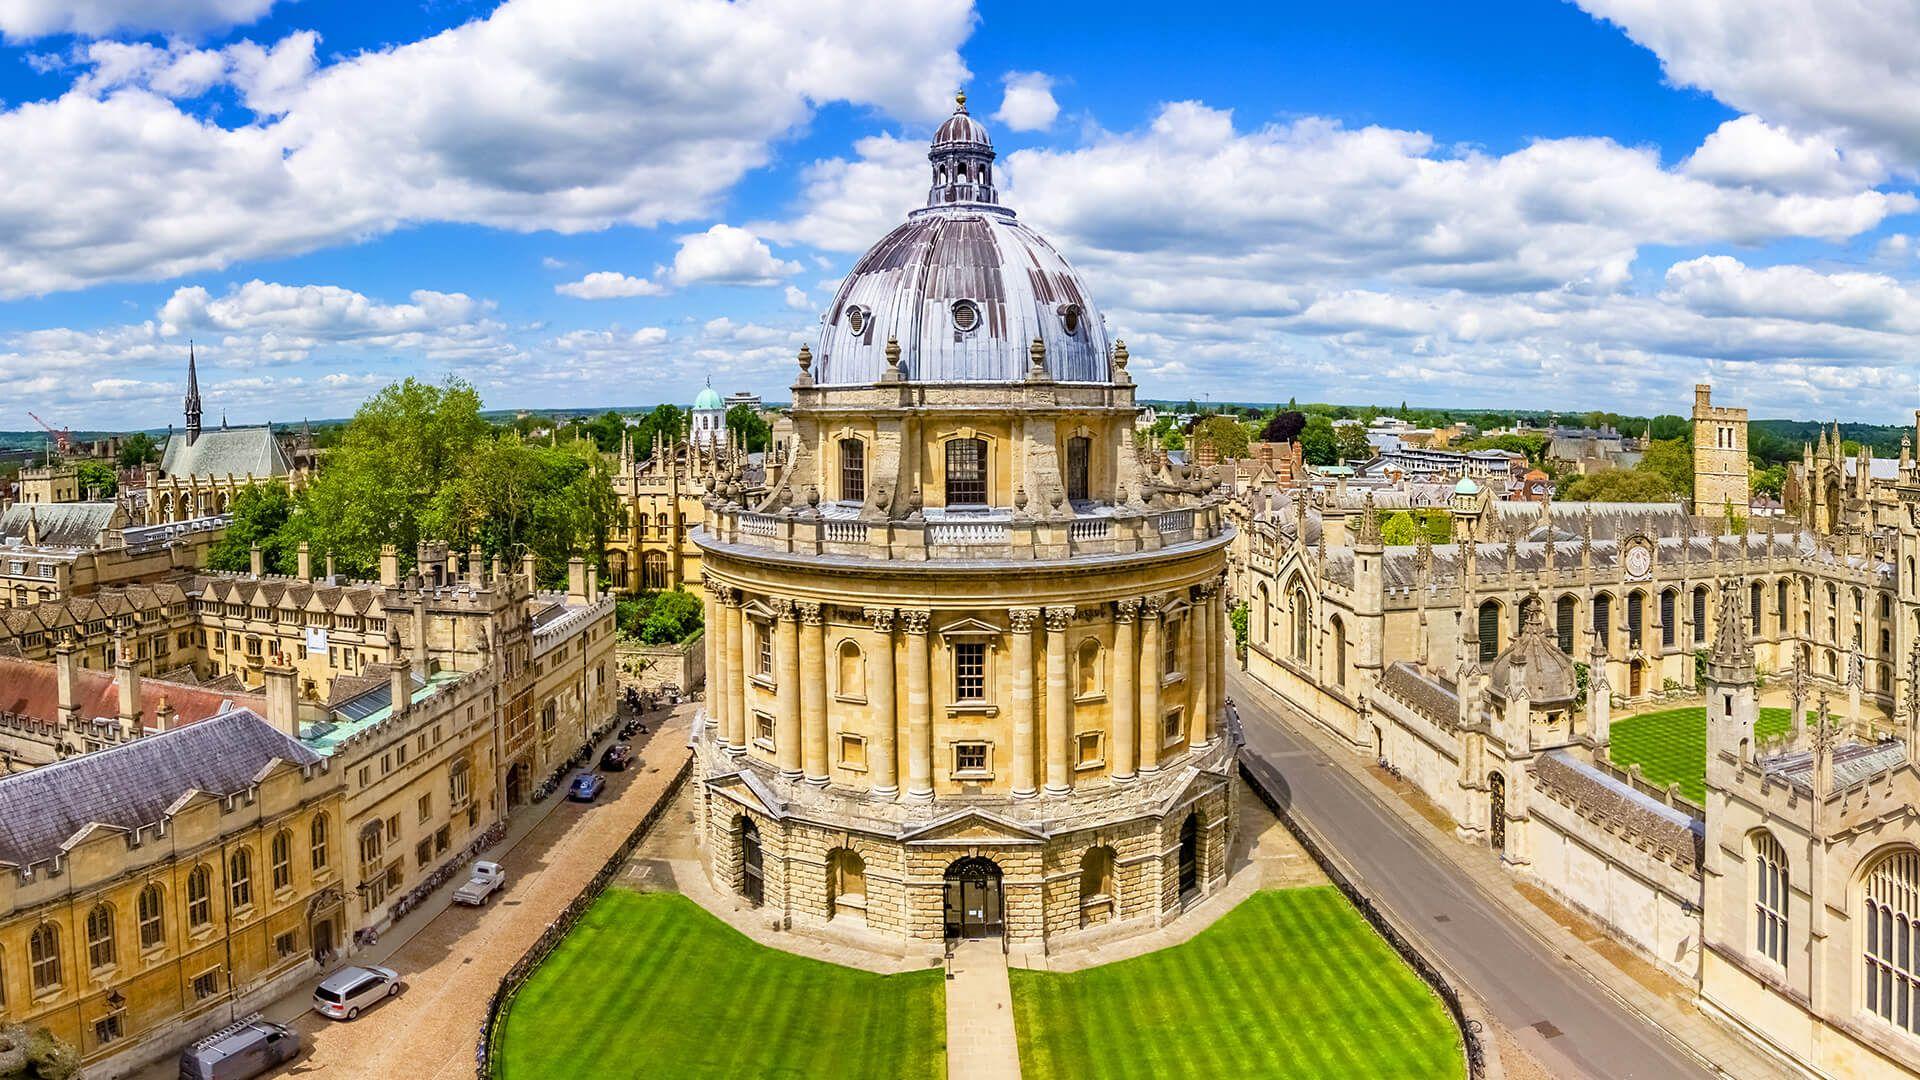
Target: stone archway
{"type": "Point", "coordinates": [975, 901]}
{"type": "Point", "coordinates": [1190, 856]}
{"type": "Point", "coordinates": [753, 878]}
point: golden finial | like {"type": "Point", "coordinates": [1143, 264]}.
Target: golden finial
{"type": "Point", "coordinates": [960, 100]}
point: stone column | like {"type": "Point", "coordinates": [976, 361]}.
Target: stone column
{"type": "Point", "coordinates": [884, 758]}
{"type": "Point", "coordinates": [1024, 779]}
{"type": "Point", "coordinates": [1149, 687]}
{"type": "Point", "coordinates": [736, 673]}
{"type": "Point", "coordinates": [716, 661]}
{"type": "Point", "coordinates": [919, 708]}
{"type": "Point", "coordinates": [786, 673]}
{"type": "Point", "coordinates": [1199, 650]}
{"type": "Point", "coordinates": [1217, 661]}
{"type": "Point", "coordinates": [1123, 703]}
{"type": "Point", "coordinates": [1059, 703]}
{"type": "Point", "coordinates": [813, 692]}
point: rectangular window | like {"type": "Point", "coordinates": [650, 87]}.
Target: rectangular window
{"type": "Point", "coordinates": [969, 759]}
{"type": "Point", "coordinates": [853, 752]}
{"type": "Point", "coordinates": [442, 839]}
{"type": "Point", "coordinates": [763, 730]}
{"type": "Point", "coordinates": [1087, 750]}
{"type": "Point", "coordinates": [423, 852]}
{"type": "Point", "coordinates": [426, 806]}
{"type": "Point", "coordinates": [853, 470]}
{"type": "Point", "coordinates": [1079, 450]}
{"type": "Point", "coordinates": [763, 650]}
{"type": "Point", "coordinates": [970, 671]}
{"type": "Point", "coordinates": [1170, 642]}
{"type": "Point", "coordinates": [206, 984]}
{"type": "Point", "coordinates": [966, 472]}
{"type": "Point", "coordinates": [1174, 726]}
{"type": "Point", "coordinates": [107, 1029]}
{"type": "Point", "coordinates": [285, 945]}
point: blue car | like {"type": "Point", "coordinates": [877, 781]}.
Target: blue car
{"type": "Point", "coordinates": [586, 787]}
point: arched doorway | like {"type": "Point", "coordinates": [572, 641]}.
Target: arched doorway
{"type": "Point", "coordinates": [1497, 827]}
{"type": "Point", "coordinates": [1189, 856]}
{"type": "Point", "coordinates": [516, 783]}
{"type": "Point", "coordinates": [752, 874]}
{"type": "Point", "coordinates": [1636, 675]}
{"type": "Point", "coordinates": [974, 903]}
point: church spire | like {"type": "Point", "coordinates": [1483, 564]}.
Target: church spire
{"type": "Point", "coordinates": [193, 396]}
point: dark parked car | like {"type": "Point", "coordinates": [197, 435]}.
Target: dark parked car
{"type": "Point", "coordinates": [240, 1052]}
{"type": "Point", "coordinates": [617, 757]}
{"type": "Point", "coordinates": [586, 787]}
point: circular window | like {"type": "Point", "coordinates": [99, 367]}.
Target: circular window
{"type": "Point", "coordinates": [856, 320]}
{"type": "Point", "coordinates": [966, 315]}
{"type": "Point", "coordinates": [1070, 318]}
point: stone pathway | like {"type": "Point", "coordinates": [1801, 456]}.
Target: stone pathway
{"type": "Point", "coordinates": [980, 1040]}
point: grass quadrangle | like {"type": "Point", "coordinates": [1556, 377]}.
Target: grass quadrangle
{"type": "Point", "coordinates": [1671, 745]}
{"type": "Point", "coordinates": [649, 984]}
{"type": "Point", "coordinates": [1292, 983]}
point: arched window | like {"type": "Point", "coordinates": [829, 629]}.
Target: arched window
{"type": "Point", "coordinates": [100, 946]}
{"type": "Point", "coordinates": [1699, 614]}
{"type": "Point", "coordinates": [853, 470]}
{"type": "Point", "coordinates": [851, 671]}
{"type": "Point", "coordinates": [1780, 604]}
{"type": "Point", "coordinates": [317, 842]}
{"type": "Point", "coordinates": [1087, 668]}
{"type": "Point", "coordinates": [1890, 940]}
{"type": "Point", "coordinates": [1079, 456]}
{"type": "Point", "coordinates": [1769, 876]}
{"type": "Point", "coordinates": [1754, 593]}
{"type": "Point", "coordinates": [1603, 619]}
{"type": "Point", "coordinates": [240, 879]}
{"type": "Point", "coordinates": [966, 472]}
{"type": "Point", "coordinates": [150, 912]}
{"type": "Point", "coordinates": [653, 571]}
{"type": "Point", "coordinates": [280, 859]}
{"type": "Point", "coordinates": [1489, 628]}
{"type": "Point", "coordinates": [1302, 620]}
{"type": "Point", "coordinates": [1261, 629]}
{"type": "Point", "coordinates": [1563, 616]}
{"type": "Point", "coordinates": [43, 957]}
{"type": "Point", "coordinates": [1636, 619]}
{"type": "Point", "coordinates": [1337, 638]}
{"type": "Point", "coordinates": [199, 897]}
{"type": "Point", "coordinates": [1669, 608]}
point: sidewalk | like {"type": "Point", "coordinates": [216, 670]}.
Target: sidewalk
{"type": "Point", "coordinates": [981, 1044]}
{"type": "Point", "coordinates": [450, 960]}
{"type": "Point", "coordinates": [1636, 983]}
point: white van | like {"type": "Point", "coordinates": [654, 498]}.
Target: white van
{"type": "Point", "coordinates": [240, 1051]}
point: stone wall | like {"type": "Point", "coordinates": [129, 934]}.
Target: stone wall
{"type": "Point", "coordinates": [650, 667]}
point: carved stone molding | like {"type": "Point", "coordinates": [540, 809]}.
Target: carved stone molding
{"type": "Point", "coordinates": [1058, 619]}
{"type": "Point", "coordinates": [914, 621]}
{"type": "Point", "coordinates": [1126, 610]}
{"type": "Point", "coordinates": [809, 612]}
{"type": "Point", "coordinates": [881, 619]}
{"type": "Point", "coordinates": [1023, 619]}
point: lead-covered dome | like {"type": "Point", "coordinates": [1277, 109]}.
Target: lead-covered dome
{"type": "Point", "coordinates": [963, 286]}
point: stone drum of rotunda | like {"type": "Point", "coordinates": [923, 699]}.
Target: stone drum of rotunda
{"type": "Point", "coordinates": [966, 647]}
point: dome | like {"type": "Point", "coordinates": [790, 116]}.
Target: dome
{"type": "Point", "coordinates": [707, 399]}
{"type": "Point", "coordinates": [1466, 486]}
{"type": "Point", "coordinates": [964, 287]}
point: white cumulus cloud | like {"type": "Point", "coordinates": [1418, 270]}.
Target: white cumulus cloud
{"type": "Point", "coordinates": [1027, 104]}
{"type": "Point", "coordinates": [608, 285]}
{"type": "Point", "coordinates": [26, 19]}
{"type": "Point", "coordinates": [728, 255]}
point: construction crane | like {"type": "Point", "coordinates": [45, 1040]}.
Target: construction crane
{"type": "Point", "coordinates": [62, 437]}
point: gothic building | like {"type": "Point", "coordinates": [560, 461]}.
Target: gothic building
{"type": "Point", "coordinates": [966, 647]}
{"type": "Point", "coordinates": [202, 469]}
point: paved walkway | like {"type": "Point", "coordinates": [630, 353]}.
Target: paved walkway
{"type": "Point", "coordinates": [451, 959]}
{"type": "Point", "coordinates": [980, 1041]}
{"type": "Point", "coordinates": [1568, 996]}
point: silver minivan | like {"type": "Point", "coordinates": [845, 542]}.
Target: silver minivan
{"type": "Point", "coordinates": [241, 1051]}
{"type": "Point", "coordinates": [347, 991]}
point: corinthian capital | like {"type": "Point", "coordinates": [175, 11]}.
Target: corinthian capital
{"type": "Point", "coordinates": [1126, 610]}
{"type": "Point", "coordinates": [1058, 619]}
{"type": "Point", "coordinates": [881, 618]}
{"type": "Point", "coordinates": [914, 621]}
{"type": "Point", "coordinates": [809, 612]}
{"type": "Point", "coordinates": [1023, 619]}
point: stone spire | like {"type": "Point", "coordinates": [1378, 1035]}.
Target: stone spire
{"type": "Point", "coordinates": [193, 397]}
{"type": "Point", "coordinates": [1732, 648]}
{"type": "Point", "coordinates": [1369, 534]}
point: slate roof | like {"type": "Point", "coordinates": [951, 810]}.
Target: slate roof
{"type": "Point", "coordinates": [135, 784]}
{"type": "Point", "coordinates": [1432, 698]}
{"type": "Point", "coordinates": [74, 524]}
{"type": "Point", "coordinates": [217, 452]}
{"type": "Point", "coordinates": [1852, 763]}
{"type": "Point", "coordinates": [31, 688]}
{"type": "Point", "coordinates": [1670, 834]}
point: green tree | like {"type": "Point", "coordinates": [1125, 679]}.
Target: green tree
{"type": "Point", "coordinates": [1173, 440]}
{"type": "Point", "coordinates": [1350, 443]}
{"type": "Point", "coordinates": [673, 619]}
{"type": "Point", "coordinates": [514, 496]}
{"type": "Point", "coordinates": [260, 516]}
{"type": "Point", "coordinates": [1770, 480]}
{"type": "Point", "coordinates": [1618, 485]}
{"type": "Point", "coordinates": [1400, 530]}
{"type": "Point", "coordinates": [1228, 436]}
{"type": "Point", "coordinates": [98, 479]}
{"type": "Point", "coordinates": [1673, 461]}
{"type": "Point", "coordinates": [746, 425]}
{"type": "Point", "coordinates": [1317, 443]}
{"type": "Point", "coordinates": [137, 449]}
{"type": "Point", "coordinates": [402, 447]}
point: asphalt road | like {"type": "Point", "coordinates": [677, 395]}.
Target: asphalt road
{"type": "Point", "coordinates": [1565, 1020]}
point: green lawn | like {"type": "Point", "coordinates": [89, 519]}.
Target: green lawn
{"type": "Point", "coordinates": [1672, 745]}
{"type": "Point", "coordinates": [649, 983]}
{"type": "Point", "coordinates": [1292, 983]}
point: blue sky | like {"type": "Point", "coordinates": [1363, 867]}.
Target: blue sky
{"type": "Point", "coordinates": [580, 204]}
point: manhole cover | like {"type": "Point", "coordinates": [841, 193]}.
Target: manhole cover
{"type": "Point", "coordinates": [1546, 1029]}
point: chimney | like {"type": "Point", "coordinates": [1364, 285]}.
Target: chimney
{"type": "Point", "coordinates": [163, 716]}
{"type": "Point", "coordinates": [256, 560]}
{"type": "Point", "coordinates": [420, 618]}
{"type": "Point", "coordinates": [577, 579]}
{"type": "Point", "coordinates": [529, 567]}
{"type": "Point", "coordinates": [330, 574]}
{"type": "Point", "coordinates": [303, 558]}
{"type": "Point", "coordinates": [66, 665]}
{"type": "Point", "coordinates": [129, 681]}
{"type": "Point", "coordinates": [399, 684]}
{"type": "Point", "coordinates": [389, 565]}
{"type": "Point", "coordinates": [476, 565]}
{"type": "Point", "coordinates": [283, 701]}
{"type": "Point", "coordinates": [593, 583]}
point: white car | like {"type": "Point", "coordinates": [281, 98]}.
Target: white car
{"type": "Point", "coordinates": [486, 879]}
